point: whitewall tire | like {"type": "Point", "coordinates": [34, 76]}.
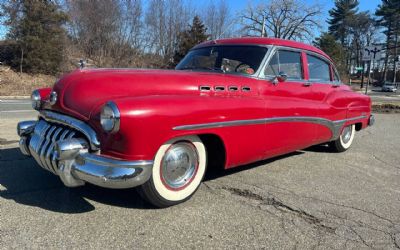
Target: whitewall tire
{"type": "Point", "coordinates": [179, 167]}
{"type": "Point", "coordinates": [345, 139]}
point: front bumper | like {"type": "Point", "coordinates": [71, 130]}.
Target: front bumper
{"type": "Point", "coordinates": [62, 148]}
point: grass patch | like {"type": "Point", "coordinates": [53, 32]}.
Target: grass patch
{"type": "Point", "coordinates": [386, 107]}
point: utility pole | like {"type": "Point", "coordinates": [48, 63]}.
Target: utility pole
{"type": "Point", "coordinates": [396, 59]}
{"type": "Point", "coordinates": [396, 62]}
{"type": "Point", "coordinates": [263, 27]}
{"type": "Point", "coordinates": [370, 55]}
{"type": "Point", "coordinates": [369, 76]}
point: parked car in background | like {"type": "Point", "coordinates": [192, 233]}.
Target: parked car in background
{"type": "Point", "coordinates": [228, 103]}
{"type": "Point", "coordinates": [389, 87]}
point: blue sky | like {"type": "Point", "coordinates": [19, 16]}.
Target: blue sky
{"type": "Point", "coordinates": [364, 5]}
{"type": "Point", "coordinates": [328, 4]}
{"type": "Point", "coordinates": [237, 5]}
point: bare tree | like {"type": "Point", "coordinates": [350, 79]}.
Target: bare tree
{"type": "Point", "coordinates": [217, 18]}
{"type": "Point", "coordinates": [164, 22]}
{"type": "Point", "coordinates": [286, 19]}
{"type": "Point", "coordinates": [107, 31]}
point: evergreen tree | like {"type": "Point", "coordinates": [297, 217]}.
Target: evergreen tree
{"type": "Point", "coordinates": [341, 16]}
{"type": "Point", "coordinates": [327, 43]}
{"type": "Point", "coordinates": [388, 14]}
{"type": "Point", "coordinates": [36, 26]}
{"type": "Point", "coordinates": [189, 38]}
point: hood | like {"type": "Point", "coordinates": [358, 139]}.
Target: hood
{"type": "Point", "coordinates": [83, 91]}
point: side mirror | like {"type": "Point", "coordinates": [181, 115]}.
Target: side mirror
{"type": "Point", "coordinates": [281, 77]}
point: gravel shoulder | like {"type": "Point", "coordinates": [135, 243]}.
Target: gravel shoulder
{"type": "Point", "coordinates": [307, 199]}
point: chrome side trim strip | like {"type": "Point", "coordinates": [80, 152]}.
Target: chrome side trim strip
{"type": "Point", "coordinates": [334, 126]}
{"type": "Point", "coordinates": [75, 124]}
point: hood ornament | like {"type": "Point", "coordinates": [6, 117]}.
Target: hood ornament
{"type": "Point", "coordinates": [82, 63]}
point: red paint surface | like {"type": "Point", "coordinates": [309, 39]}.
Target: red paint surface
{"type": "Point", "coordinates": [152, 102]}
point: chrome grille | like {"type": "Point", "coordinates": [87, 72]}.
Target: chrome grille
{"type": "Point", "coordinates": [43, 141]}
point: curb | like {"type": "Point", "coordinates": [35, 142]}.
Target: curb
{"type": "Point", "coordinates": [15, 97]}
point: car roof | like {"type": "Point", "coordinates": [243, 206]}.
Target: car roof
{"type": "Point", "coordinates": [263, 41]}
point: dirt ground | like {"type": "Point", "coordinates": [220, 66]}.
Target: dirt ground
{"type": "Point", "coordinates": [16, 84]}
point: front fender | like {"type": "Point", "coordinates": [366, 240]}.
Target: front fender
{"type": "Point", "coordinates": [149, 121]}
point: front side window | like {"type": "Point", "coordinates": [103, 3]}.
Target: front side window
{"type": "Point", "coordinates": [288, 62]}
{"type": "Point", "coordinates": [228, 59]}
{"type": "Point", "coordinates": [318, 69]}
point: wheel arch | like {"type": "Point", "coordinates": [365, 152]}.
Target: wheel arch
{"type": "Point", "coordinates": [216, 151]}
{"type": "Point", "coordinates": [359, 126]}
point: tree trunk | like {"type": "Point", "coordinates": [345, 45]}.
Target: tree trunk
{"type": "Point", "coordinates": [362, 75]}
{"type": "Point", "coordinates": [22, 60]}
{"type": "Point", "coordinates": [387, 51]}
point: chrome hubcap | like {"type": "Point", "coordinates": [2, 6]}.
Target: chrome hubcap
{"type": "Point", "coordinates": [179, 165]}
{"type": "Point", "coordinates": [346, 134]}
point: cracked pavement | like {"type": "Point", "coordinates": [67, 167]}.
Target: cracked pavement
{"type": "Point", "coordinates": [309, 199]}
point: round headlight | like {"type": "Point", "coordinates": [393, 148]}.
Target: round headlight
{"type": "Point", "coordinates": [36, 100]}
{"type": "Point", "coordinates": [110, 117]}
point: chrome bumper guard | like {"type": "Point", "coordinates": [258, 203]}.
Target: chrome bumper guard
{"type": "Point", "coordinates": [371, 120]}
{"type": "Point", "coordinates": [62, 150]}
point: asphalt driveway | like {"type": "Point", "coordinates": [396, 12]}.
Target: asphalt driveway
{"type": "Point", "coordinates": [307, 199]}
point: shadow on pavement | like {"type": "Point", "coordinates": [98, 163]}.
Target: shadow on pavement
{"type": "Point", "coordinates": [322, 148]}
{"type": "Point", "coordinates": [23, 181]}
{"type": "Point", "coordinates": [215, 173]}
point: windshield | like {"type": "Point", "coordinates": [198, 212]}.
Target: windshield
{"type": "Point", "coordinates": [227, 59]}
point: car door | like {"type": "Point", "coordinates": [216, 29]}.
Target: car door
{"type": "Point", "coordinates": [326, 85]}
{"type": "Point", "coordinates": [290, 105]}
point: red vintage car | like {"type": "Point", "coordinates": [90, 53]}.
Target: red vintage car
{"type": "Point", "coordinates": [228, 103]}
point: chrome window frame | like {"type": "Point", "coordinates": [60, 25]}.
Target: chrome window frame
{"type": "Point", "coordinates": [275, 48]}
{"type": "Point", "coordinates": [335, 71]}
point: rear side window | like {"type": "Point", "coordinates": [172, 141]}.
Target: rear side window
{"type": "Point", "coordinates": [318, 69]}
{"type": "Point", "coordinates": [288, 62]}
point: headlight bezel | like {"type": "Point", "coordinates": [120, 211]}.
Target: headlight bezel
{"type": "Point", "coordinates": [114, 117]}
{"type": "Point", "coordinates": [36, 100]}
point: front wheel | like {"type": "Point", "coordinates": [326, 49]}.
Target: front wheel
{"type": "Point", "coordinates": [178, 170]}
{"type": "Point", "coordinates": [345, 139]}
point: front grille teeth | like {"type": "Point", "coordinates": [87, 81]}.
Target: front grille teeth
{"type": "Point", "coordinates": [43, 141]}
{"type": "Point", "coordinates": [46, 143]}
{"type": "Point", "coordinates": [51, 148]}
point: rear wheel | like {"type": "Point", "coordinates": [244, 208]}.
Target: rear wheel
{"type": "Point", "coordinates": [178, 170]}
{"type": "Point", "coordinates": [345, 139]}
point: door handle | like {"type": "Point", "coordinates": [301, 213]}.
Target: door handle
{"type": "Point", "coordinates": [307, 84]}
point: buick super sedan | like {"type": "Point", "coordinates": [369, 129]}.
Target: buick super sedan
{"type": "Point", "coordinates": [228, 103]}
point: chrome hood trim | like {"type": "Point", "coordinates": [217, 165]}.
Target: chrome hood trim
{"type": "Point", "coordinates": [71, 122]}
